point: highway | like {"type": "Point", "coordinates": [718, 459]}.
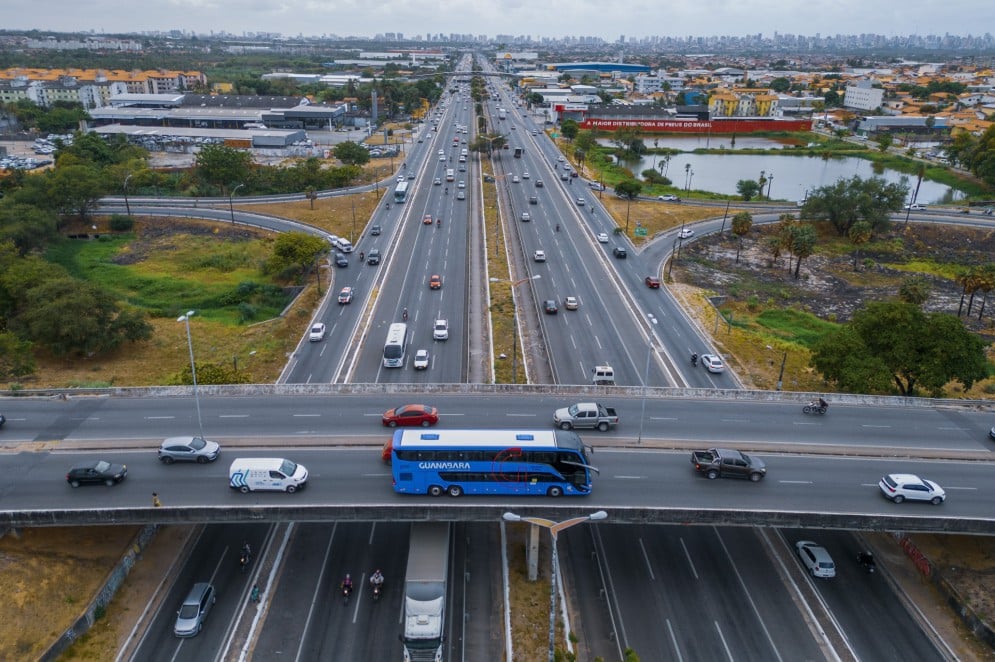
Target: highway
{"type": "Point", "coordinates": [349, 520]}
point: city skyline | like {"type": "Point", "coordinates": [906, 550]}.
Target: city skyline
{"type": "Point", "coordinates": [415, 18]}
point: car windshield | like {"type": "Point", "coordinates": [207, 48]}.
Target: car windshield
{"type": "Point", "coordinates": [288, 468]}
{"type": "Point", "coordinates": [188, 611]}
{"type": "Point", "coordinates": [197, 443]}
{"type": "Point", "coordinates": [102, 466]}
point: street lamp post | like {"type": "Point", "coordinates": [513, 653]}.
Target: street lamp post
{"type": "Point", "coordinates": [514, 324]}
{"type": "Point", "coordinates": [770, 182]}
{"type": "Point", "coordinates": [554, 530]}
{"type": "Point", "coordinates": [231, 205]}
{"type": "Point", "coordinates": [127, 205]}
{"type": "Point", "coordinates": [193, 369]}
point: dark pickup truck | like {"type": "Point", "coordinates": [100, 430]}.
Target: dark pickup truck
{"type": "Point", "coordinates": [716, 462]}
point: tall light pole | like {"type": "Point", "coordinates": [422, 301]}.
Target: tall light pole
{"type": "Point", "coordinates": [231, 205]}
{"type": "Point", "coordinates": [554, 530]}
{"type": "Point", "coordinates": [193, 369]}
{"type": "Point", "coordinates": [514, 323]}
{"type": "Point", "coordinates": [127, 205]}
{"type": "Point", "coordinates": [770, 182]}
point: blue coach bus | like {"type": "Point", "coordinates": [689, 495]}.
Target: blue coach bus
{"type": "Point", "coordinates": [507, 462]}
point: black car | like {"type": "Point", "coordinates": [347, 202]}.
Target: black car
{"type": "Point", "coordinates": [341, 260]}
{"type": "Point", "coordinates": [549, 305]}
{"type": "Point", "coordinates": [96, 471]}
{"type": "Point", "coordinates": [373, 258]}
{"type": "Point", "coordinates": [375, 230]}
{"type": "Point", "coordinates": [620, 252]}
{"type": "Point", "coordinates": [2, 420]}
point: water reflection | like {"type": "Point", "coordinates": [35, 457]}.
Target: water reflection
{"type": "Point", "coordinates": [793, 176]}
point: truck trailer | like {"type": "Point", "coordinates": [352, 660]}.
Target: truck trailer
{"type": "Point", "coordinates": [425, 591]}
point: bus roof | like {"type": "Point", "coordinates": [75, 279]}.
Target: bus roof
{"type": "Point", "coordinates": [485, 439]}
{"type": "Point", "coordinates": [401, 186]}
{"type": "Point", "coordinates": [396, 332]}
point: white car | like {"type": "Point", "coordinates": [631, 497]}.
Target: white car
{"type": "Point", "coordinates": [602, 237]}
{"type": "Point", "coordinates": [901, 487]}
{"type": "Point", "coordinates": [442, 158]}
{"type": "Point", "coordinates": [571, 303]}
{"type": "Point", "coordinates": [461, 184]}
{"type": "Point", "coordinates": [317, 333]}
{"type": "Point", "coordinates": [581, 202]}
{"type": "Point", "coordinates": [816, 559]}
{"type": "Point", "coordinates": [712, 363]}
{"type": "Point", "coordinates": [421, 359]}
{"type": "Point", "coordinates": [916, 206]}
{"type": "Point", "coordinates": [686, 233]}
{"type": "Point", "coordinates": [670, 197]}
{"type": "Point", "coordinates": [441, 330]}
{"type": "Point", "coordinates": [525, 175]}
{"type": "Point", "coordinates": [515, 179]}
{"type": "Point", "coordinates": [437, 181]}
{"type": "Point", "coordinates": [539, 256]}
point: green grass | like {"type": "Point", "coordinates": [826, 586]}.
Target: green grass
{"type": "Point", "coordinates": [924, 266]}
{"type": "Point", "coordinates": [795, 326]}
{"type": "Point", "coordinates": [219, 279]}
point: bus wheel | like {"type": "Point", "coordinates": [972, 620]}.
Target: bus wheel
{"type": "Point", "coordinates": [554, 491]}
{"type": "Point", "coordinates": [455, 491]}
{"type": "Point", "coordinates": [435, 490]}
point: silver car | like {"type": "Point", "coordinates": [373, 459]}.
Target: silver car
{"type": "Point", "coordinates": [194, 610]}
{"type": "Point", "coordinates": [188, 449]}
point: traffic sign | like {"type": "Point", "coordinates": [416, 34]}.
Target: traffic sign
{"type": "Point", "coordinates": [640, 232]}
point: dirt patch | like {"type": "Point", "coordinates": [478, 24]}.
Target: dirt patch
{"type": "Point", "coordinates": [839, 280]}
{"type": "Point", "coordinates": [49, 576]}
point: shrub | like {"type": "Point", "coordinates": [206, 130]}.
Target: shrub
{"type": "Point", "coordinates": [121, 223]}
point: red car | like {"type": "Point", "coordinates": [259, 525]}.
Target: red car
{"type": "Point", "coordinates": [435, 282]}
{"type": "Point", "coordinates": [411, 415]}
{"type": "Point", "coordinates": [427, 219]}
{"type": "Point", "coordinates": [652, 283]}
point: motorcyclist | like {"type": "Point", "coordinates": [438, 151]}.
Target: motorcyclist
{"type": "Point", "coordinates": [362, 256]}
{"type": "Point", "coordinates": [865, 558]}
{"type": "Point", "coordinates": [823, 404]}
{"type": "Point", "coordinates": [438, 222]}
{"type": "Point", "coordinates": [404, 315]}
{"type": "Point", "coordinates": [246, 550]}
{"type": "Point", "coordinates": [447, 190]}
{"type": "Point", "coordinates": [347, 584]}
{"type": "Point", "coordinates": [376, 579]}
{"type": "Point", "coordinates": [557, 227]}
{"type": "Point", "coordinates": [694, 359]}
{"type": "Point", "coordinates": [388, 205]}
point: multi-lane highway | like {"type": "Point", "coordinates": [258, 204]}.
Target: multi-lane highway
{"type": "Point", "coordinates": [669, 593]}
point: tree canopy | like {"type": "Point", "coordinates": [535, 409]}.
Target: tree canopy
{"type": "Point", "coordinates": [896, 346]}
{"type": "Point", "coordinates": [850, 201]}
{"type": "Point", "coordinates": [223, 167]}
{"type": "Point", "coordinates": [351, 153]}
{"type": "Point", "coordinates": [294, 253]}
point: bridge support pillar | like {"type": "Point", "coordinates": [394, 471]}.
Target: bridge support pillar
{"type": "Point", "coordinates": [532, 552]}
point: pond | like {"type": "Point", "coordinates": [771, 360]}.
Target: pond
{"type": "Point", "coordinates": [790, 176]}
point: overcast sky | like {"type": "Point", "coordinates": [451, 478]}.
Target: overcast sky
{"type": "Point", "coordinates": [542, 18]}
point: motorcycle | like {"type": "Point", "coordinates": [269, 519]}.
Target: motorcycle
{"type": "Point", "coordinates": [243, 561]}
{"type": "Point", "coordinates": [815, 408]}
{"type": "Point", "coordinates": [694, 360]}
{"type": "Point", "coordinates": [377, 590]}
{"type": "Point", "coordinates": [866, 561]}
{"type": "Point", "coordinates": [346, 594]}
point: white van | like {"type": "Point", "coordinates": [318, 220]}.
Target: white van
{"type": "Point", "coordinates": [266, 473]}
{"type": "Point", "coordinates": [343, 245]}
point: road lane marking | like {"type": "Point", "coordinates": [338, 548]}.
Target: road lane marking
{"type": "Point", "coordinates": [673, 639]}
{"type": "Point", "coordinates": [975, 489]}
{"type": "Point", "coordinates": [797, 482]}
{"type": "Point", "coordinates": [521, 415]}
{"type": "Point", "coordinates": [882, 427]}
{"type": "Point", "coordinates": [233, 416]}
{"type": "Point", "coordinates": [307, 415]}
{"type": "Point", "coordinates": [735, 420]}
{"type": "Point", "coordinates": [646, 558]}
{"type": "Point", "coordinates": [159, 418]}
{"type": "Point", "coordinates": [663, 418]}
{"type": "Point", "coordinates": [687, 555]}
{"type": "Point", "coordinates": [629, 477]}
